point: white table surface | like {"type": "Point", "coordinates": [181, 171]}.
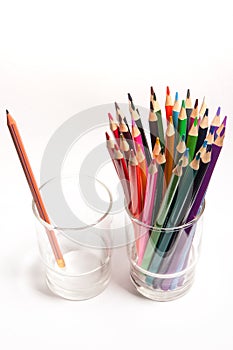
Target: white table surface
{"type": "Point", "coordinates": [58, 58]}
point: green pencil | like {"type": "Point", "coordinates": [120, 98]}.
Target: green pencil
{"type": "Point", "coordinates": [162, 215]}
{"type": "Point", "coordinates": [182, 120]}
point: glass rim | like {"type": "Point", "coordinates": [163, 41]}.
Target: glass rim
{"type": "Point", "coordinates": [167, 229]}
{"type": "Point", "coordinates": [50, 226]}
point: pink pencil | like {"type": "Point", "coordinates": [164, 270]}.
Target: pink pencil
{"type": "Point", "coordinates": [148, 208]}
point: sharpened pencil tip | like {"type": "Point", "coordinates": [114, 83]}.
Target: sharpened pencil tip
{"type": "Point", "coordinates": [183, 103]}
{"type": "Point", "coordinates": [168, 90]}
{"type": "Point", "coordinates": [218, 111]}
{"type": "Point", "coordinates": [183, 137]}
{"type": "Point", "coordinates": [205, 144]}
{"type": "Point", "coordinates": [116, 105]}
{"type": "Point", "coordinates": [152, 91]}
{"type": "Point", "coordinates": [110, 116]}
{"type": "Point", "coordinates": [198, 156]}
{"type": "Point", "coordinates": [176, 96]}
{"type": "Point", "coordinates": [224, 121]}
{"type": "Point", "coordinates": [196, 103]}
{"type": "Point", "coordinates": [130, 98]}
{"type": "Point", "coordinates": [206, 112]}
{"type": "Point", "coordinates": [7, 112]}
{"type": "Point", "coordinates": [188, 94]}
{"type": "Point", "coordinates": [209, 148]}
{"type": "Point", "coordinates": [107, 136]}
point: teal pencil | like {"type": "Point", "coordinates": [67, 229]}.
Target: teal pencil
{"type": "Point", "coordinates": [176, 111]}
{"type": "Point", "coordinates": [184, 194]}
{"type": "Point", "coordinates": [192, 139]}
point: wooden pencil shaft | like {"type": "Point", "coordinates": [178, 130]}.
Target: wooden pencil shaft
{"type": "Point", "coordinates": [34, 189]}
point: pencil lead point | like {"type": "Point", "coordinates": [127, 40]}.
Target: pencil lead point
{"type": "Point", "coordinates": [218, 111]}
{"type": "Point", "coordinates": [209, 148]}
{"type": "Point", "coordinates": [188, 94]}
{"type": "Point", "coordinates": [196, 103]}
{"type": "Point", "coordinates": [205, 144]}
{"type": "Point", "coordinates": [206, 112]}
{"type": "Point", "coordinates": [116, 105]}
{"type": "Point", "coordinates": [224, 121]}
{"type": "Point", "coordinates": [183, 137]}
{"type": "Point", "coordinates": [152, 91]}
{"type": "Point", "coordinates": [198, 156]}
{"type": "Point", "coordinates": [7, 112]}
{"type": "Point", "coordinates": [183, 103]}
{"type": "Point", "coordinates": [176, 96]}
{"type": "Point", "coordinates": [107, 136]}
{"type": "Point", "coordinates": [168, 90]}
{"type": "Point", "coordinates": [130, 98]}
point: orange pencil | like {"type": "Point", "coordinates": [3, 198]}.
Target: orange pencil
{"type": "Point", "coordinates": [33, 186]}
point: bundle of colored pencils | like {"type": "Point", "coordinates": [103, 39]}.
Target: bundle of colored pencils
{"type": "Point", "coordinates": [165, 183]}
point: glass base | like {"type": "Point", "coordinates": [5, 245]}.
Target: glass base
{"type": "Point", "coordinates": [158, 294]}
{"type": "Point", "coordinates": [84, 277]}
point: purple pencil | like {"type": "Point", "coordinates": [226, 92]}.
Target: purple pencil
{"type": "Point", "coordinates": [186, 236]}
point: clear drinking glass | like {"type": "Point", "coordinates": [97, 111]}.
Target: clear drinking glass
{"type": "Point", "coordinates": [82, 228]}
{"type": "Point", "coordinates": [168, 273]}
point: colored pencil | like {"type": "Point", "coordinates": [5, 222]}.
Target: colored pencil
{"type": "Point", "coordinates": [148, 208]}
{"type": "Point", "coordinates": [194, 114]}
{"type": "Point", "coordinates": [121, 116]}
{"type": "Point", "coordinates": [188, 105]}
{"type": "Point", "coordinates": [114, 128]}
{"type": "Point", "coordinates": [182, 120]}
{"type": "Point", "coordinates": [202, 109]}
{"type": "Point", "coordinates": [135, 185]}
{"type": "Point", "coordinates": [153, 125]}
{"type": "Point", "coordinates": [166, 240]}
{"type": "Point", "coordinates": [176, 111]}
{"type": "Point", "coordinates": [158, 112]}
{"type": "Point", "coordinates": [124, 147]}
{"type": "Point", "coordinates": [192, 139]}
{"type": "Point", "coordinates": [127, 135]}
{"type": "Point", "coordinates": [135, 115]}
{"type": "Point", "coordinates": [143, 170]}
{"type": "Point", "coordinates": [161, 161]}
{"type": "Point", "coordinates": [162, 217]}
{"type": "Point", "coordinates": [11, 123]}
{"type": "Point", "coordinates": [202, 131]}
{"type": "Point", "coordinates": [168, 105]}
{"type": "Point", "coordinates": [216, 120]}
{"type": "Point", "coordinates": [169, 152]}
{"type": "Point", "coordinates": [180, 149]}
{"type": "Point", "coordinates": [122, 173]}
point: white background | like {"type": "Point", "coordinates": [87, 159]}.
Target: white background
{"type": "Point", "coordinates": [58, 58]}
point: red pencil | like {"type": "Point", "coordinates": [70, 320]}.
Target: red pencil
{"type": "Point", "coordinates": [168, 105]}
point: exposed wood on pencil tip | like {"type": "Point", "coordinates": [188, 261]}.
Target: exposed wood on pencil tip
{"type": "Point", "coordinates": [110, 116]}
